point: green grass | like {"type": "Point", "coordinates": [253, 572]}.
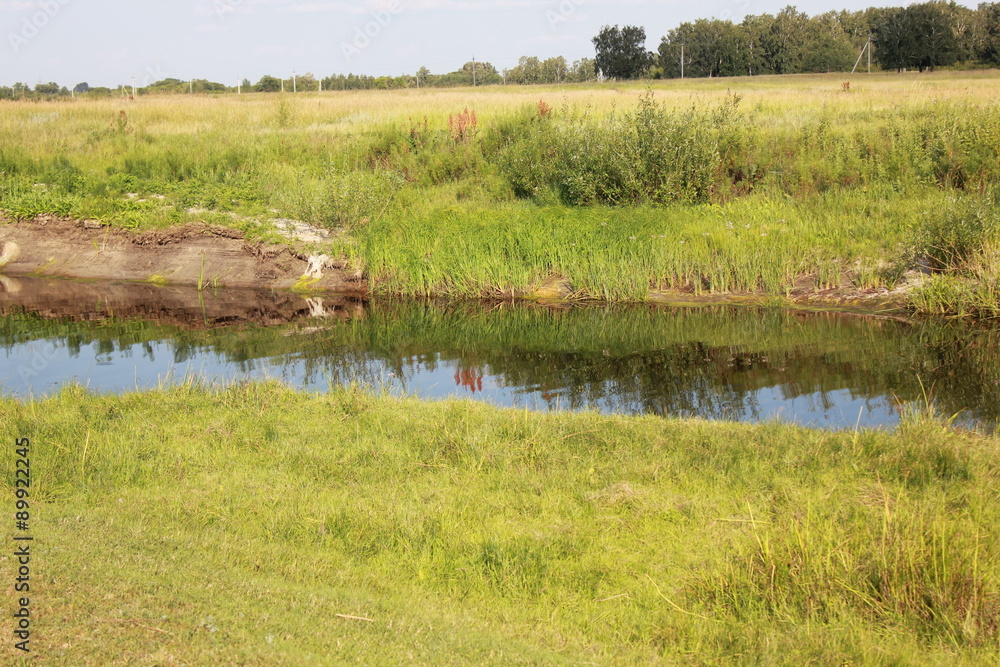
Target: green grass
{"type": "Point", "coordinates": [851, 189]}
{"type": "Point", "coordinates": [234, 525]}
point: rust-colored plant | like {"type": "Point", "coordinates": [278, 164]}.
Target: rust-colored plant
{"type": "Point", "coordinates": [462, 126]}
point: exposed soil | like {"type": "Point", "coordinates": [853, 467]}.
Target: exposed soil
{"type": "Point", "coordinates": [217, 257]}
{"type": "Point", "coordinates": [182, 256]}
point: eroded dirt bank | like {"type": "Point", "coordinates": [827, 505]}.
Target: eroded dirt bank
{"type": "Point", "coordinates": [186, 255]}
{"type": "Point", "coordinates": [216, 257]}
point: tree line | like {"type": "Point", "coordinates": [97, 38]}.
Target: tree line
{"type": "Point", "coordinates": [921, 36]}
{"type": "Point", "coordinates": [529, 70]}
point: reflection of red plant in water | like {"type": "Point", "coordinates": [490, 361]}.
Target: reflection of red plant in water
{"type": "Point", "coordinates": [470, 378]}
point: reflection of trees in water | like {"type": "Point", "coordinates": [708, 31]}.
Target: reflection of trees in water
{"type": "Point", "coordinates": [714, 363]}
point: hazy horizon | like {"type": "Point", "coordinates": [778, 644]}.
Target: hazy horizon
{"type": "Point", "coordinates": [72, 41]}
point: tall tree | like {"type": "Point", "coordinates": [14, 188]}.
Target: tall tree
{"type": "Point", "coordinates": [919, 36]}
{"type": "Point", "coordinates": [621, 52]}
{"type": "Point", "coordinates": [987, 33]}
{"type": "Point", "coordinates": [711, 48]}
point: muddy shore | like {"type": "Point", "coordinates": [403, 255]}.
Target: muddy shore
{"type": "Point", "coordinates": [214, 257]}
{"type": "Point", "coordinates": [189, 255]}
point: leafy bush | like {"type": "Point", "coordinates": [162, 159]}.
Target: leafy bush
{"type": "Point", "coordinates": [344, 198]}
{"type": "Point", "coordinates": [649, 155]}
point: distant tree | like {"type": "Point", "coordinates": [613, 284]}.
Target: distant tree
{"type": "Point", "coordinates": [246, 85]}
{"type": "Point", "coordinates": [6, 93]}
{"type": "Point", "coordinates": [756, 30]}
{"type": "Point", "coordinates": [268, 84]}
{"type": "Point", "coordinates": [527, 71]}
{"type": "Point", "coordinates": [621, 52]}
{"type": "Point", "coordinates": [51, 88]}
{"type": "Point", "coordinates": [987, 33]}
{"type": "Point", "coordinates": [485, 73]}
{"type": "Point", "coordinates": [583, 70]}
{"type": "Point", "coordinates": [554, 70]}
{"type": "Point", "coordinates": [828, 46]}
{"type": "Point", "coordinates": [81, 87]}
{"type": "Point", "coordinates": [306, 82]}
{"type": "Point", "coordinates": [204, 86]}
{"type": "Point", "coordinates": [711, 48]}
{"type": "Point", "coordinates": [918, 36]}
{"type": "Point", "coordinates": [785, 42]}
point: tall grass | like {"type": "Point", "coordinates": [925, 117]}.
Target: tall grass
{"type": "Point", "coordinates": [835, 166]}
{"type": "Point", "coordinates": [255, 527]}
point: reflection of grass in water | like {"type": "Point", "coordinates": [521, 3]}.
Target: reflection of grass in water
{"type": "Point", "coordinates": [499, 536]}
{"type": "Point", "coordinates": [649, 358]}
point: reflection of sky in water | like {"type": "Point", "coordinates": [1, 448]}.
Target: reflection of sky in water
{"type": "Point", "coordinates": [38, 367]}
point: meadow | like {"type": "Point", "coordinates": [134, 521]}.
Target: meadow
{"type": "Point", "coordinates": [254, 524]}
{"type": "Point", "coordinates": [763, 185]}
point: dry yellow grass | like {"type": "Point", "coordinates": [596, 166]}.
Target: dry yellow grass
{"type": "Point", "coordinates": [785, 98]}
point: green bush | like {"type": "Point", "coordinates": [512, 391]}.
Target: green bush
{"type": "Point", "coordinates": [344, 198]}
{"type": "Point", "coordinates": [648, 156]}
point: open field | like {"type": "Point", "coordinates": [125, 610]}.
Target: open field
{"type": "Point", "coordinates": [770, 185]}
{"type": "Point", "coordinates": [258, 525]}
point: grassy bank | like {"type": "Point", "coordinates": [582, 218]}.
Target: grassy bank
{"type": "Point", "coordinates": [255, 524]}
{"type": "Point", "coordinates": [763, 185]}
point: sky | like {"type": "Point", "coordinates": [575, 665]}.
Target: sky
{"type": "Point", "coordinates": [110, 42]}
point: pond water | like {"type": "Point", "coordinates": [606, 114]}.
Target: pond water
{"type": "Point", "coordinates": [746, 364]}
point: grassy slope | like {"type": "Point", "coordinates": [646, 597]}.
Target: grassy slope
{"type": "Point", "coordinates": [812, 185]}
{"type": "Point", "coordinates": [233, 525]}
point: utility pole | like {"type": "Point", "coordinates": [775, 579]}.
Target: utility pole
{"type": "Point", "coordinates": [293, 80]}
{"type": "Point", "coordinates": [473, 70]}
{"type": "Point", "coordinates": [869, 53]}
{"type": "Point", "coordinates": [682, 61]}
{"type": "Point", "coordinates": [133, 88]}
{"type": "Point", "coordinates": [191, 86]}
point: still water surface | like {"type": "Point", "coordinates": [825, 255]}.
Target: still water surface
{"type": "Point", "coordinates": [745, 364]}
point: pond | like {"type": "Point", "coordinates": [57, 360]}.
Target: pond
{"type": "Point", "coordinates": [746, 364]}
